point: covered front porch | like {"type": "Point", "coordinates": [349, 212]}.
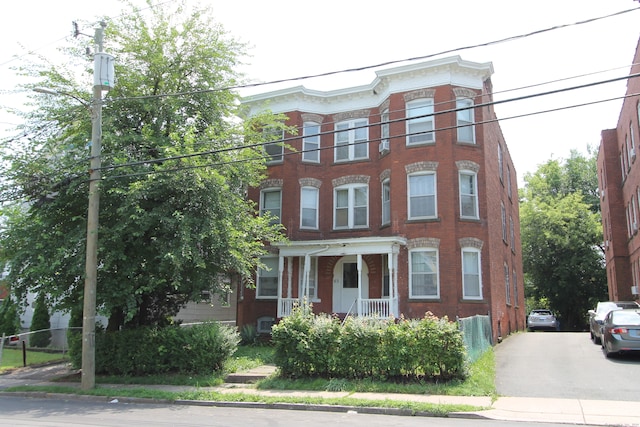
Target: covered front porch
{"type": "Point", "coordinates": [344, 279]}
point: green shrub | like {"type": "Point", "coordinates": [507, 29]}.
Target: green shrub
{"type": "Point", "coordinates": [145, 351]}
{"type": "Point", "coordinates": [40, 322]}
{"type": "Point", "coordinates": [248, 335]}
{"type": "Point", "coordinates": [9, 317]}
{"type": "Point", "coordinates": [307, 345]}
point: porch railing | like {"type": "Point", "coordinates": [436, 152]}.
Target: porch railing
{"type": "Point", "coordinates": [381, 308]}
{"type": "Point", "coordinates": [285, 306]}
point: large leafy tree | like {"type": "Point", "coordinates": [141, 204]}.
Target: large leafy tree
{"type": "Point", "coordinates": [562, 237]}
{"type": "Point", "coordinates": [176, 164]}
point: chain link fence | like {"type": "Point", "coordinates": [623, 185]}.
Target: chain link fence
{"type": "Point", "coordinates": [477, 335]}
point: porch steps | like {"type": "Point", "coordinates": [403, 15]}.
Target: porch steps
{"type": "Point", "coordinates": [251, 376]}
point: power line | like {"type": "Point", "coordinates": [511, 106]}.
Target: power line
{"type": "Point", "coordinates": [369, 125]}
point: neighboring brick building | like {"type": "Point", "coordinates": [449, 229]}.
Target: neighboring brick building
{"type": "Point", "coordinates": [400, 198]}
{"type": "Point", "coordinates": [619, 183]}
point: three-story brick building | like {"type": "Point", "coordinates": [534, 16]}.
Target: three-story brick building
{"type": "Point", "coordinates": [619, 183]}
{"type": "Point", "coordinates": [399, 197]}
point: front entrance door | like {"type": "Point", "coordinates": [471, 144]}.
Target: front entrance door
{"type": "Point", "coordinates": [345, 284]}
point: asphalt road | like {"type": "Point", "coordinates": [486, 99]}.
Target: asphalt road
{"type": "Point", "coordinates": [18, 412]}
{"type": "Point", "coordinates": [564, 365]}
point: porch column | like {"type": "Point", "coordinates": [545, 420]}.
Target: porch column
{"type": "Point", "coordinates": [392, 290]}
{"type": "Point", "coordinates": [280, 270]}
{"type": "Point", "coordinates": [307, 270]}
{"type": "Point", "coordinates": [359, 302]}
{"type": "Point", "coordinates": [289, 276]}
{"type": "Point", "coordinates": [395, 283]}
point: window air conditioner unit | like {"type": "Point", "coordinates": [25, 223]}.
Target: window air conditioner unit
{"type": "Point", "coordinates": [635, 226]}
{"type": "Point", "coordinates": [632, 153]}
{"type": "Point", "coordinates": [602, 193]}
{"type": "Point", "coordinates": [606, 244]}
{"type": "Point", "coordinates": [384, 146]}
{"type": "Point", "coordinates": [634, 290]}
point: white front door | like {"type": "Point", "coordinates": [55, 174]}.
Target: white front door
{"type": "Point", "coordinates": [345, 284]}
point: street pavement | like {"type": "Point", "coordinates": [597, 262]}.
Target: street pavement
{"type": "Point", "coordinates": [570, 411]}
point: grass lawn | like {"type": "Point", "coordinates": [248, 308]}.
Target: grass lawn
{"type": "Point", "coordinates": [480, 382]}
{"type": "Point", "coordinates": [12, 358]}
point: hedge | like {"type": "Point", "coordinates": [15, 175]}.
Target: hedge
{"type": "Point", "coordinates": [309, 345]}
{"type": "Point", "coordinates": [145, 351]}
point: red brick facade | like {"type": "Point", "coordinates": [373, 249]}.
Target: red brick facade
{"type": "Point", "coordinates": [619, 183]}
{"type": "Point", "coordinates": [410, 253]}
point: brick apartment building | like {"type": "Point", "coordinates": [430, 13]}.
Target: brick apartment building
{"type": "Point", "coordinates": [398, 198]}
{"type": "Point", "coordinates": [619, 183]}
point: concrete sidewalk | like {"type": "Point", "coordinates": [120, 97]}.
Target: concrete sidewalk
{"type": "Point", "coordinates": [570, 411]}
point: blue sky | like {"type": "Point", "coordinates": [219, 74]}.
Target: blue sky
{"type": "Point", "coordinates": [294, 38]}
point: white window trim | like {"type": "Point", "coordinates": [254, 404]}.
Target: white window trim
{"type": "Point", "coordinates": [435, 196]}
{"type": "Point", "coordinates": [507, 284]}
{"type": "Point", "coordinates": [462, 173]}
{"type": "Point", "coordinates": [317, 204]}
{"type": "Point", "coordinates": [270, 135]}
{"type": "Point", "coordinates": [386, 205]}
{"type": "Point", "coordinates": [262, 195]}
{"type": "Point", "coordinates": [429, 119]}
{"type": "Point", "coordinates": [305, 137]}
{"type": "Point", "coordinates": [272, 273]}
{"type": "Point", "coordinates": [463, 123]}
{"type": "Point", "coordinates": [411, 294]}
{"type": "Point", "coordinates": [462, 253]}
{"type": "Point", "coordinates": [350, 207]}
{"type": "Point", "coordinates": [353, 125]}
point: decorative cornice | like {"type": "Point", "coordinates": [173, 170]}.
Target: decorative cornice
{"type": "Point", "coordinates": [386, 174]}
{"type": "Point", "coordinates": [384, 105]}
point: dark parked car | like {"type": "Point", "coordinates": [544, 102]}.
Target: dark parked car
{"type": "Point", "coordinates": [596, 317]}
{"type": "Point", "coordinates": [542, 319]}
{"type": "Point", "coordinates": [621, 332]}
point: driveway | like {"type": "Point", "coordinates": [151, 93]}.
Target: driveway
{"type": "Point", "coordinates": [565, 365]}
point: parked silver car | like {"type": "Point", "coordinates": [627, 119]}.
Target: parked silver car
{"type": "Point", "coordinates": [621, 332]}
{"type": "Point", "coordinates": [596, 317]}
{"type": "Point", "coordinates": [542, 319]}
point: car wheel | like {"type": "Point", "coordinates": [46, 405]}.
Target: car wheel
{"type": "Point", "coordinates": [608, 354]}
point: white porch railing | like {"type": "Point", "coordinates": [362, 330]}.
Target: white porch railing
{"type": "Point", "coordinates": [369, 307]}
{"type": "Point", "coordinates": [380, 308]}
{"type": "Point", "coordinates": [285, 306]}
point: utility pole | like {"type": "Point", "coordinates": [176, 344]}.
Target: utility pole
{"type": "Point", "coordinates": [103, 80]}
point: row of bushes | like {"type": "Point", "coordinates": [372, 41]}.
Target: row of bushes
{"type": "Point", "coordinates": [320, 345]}
{"type": "Point", "coordinates": [145, 351]}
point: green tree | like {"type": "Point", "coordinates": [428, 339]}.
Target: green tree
{"type": "Point", "coordinates": [40, 322]}
{"type": "Point", "coordinates": [9, 317]}
{"type": "Point", "coordinates": [176, 164]}
{"type": "Point", "coordinates": [562, 238]}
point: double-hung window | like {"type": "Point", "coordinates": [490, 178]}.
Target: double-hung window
{"type": "Point", "coordinates": [468, 194]}
{"type": "Point", "coordinates": [422, 196]}
{"type": "Point", "coordinates": [309, 207]}
{"type": "Point", "coordinates": [271, 202]}
{"type": "Point", "coordinates": [420, 121]}
{"type": "Point", "coordinates": [273, 144]}
{"type": "Point", "coordinates": [464, 120]}
{"type": "Point", "coordinates": [386, 202]}
{"type": "Point", "coordinates": [311, 142]}
{"type": "Point", "coordinates": [384, 131]}
{"type": "Point", "coordinates": [352, 140]}
{"type": "Point", "coordinates": [351, 206]}
{"type": "Point", "coordinates": [267, 280]}
{"type": "Point", "coordinates": [471, 277]}
{"type": "Point", "coordinates": [423, 274]}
